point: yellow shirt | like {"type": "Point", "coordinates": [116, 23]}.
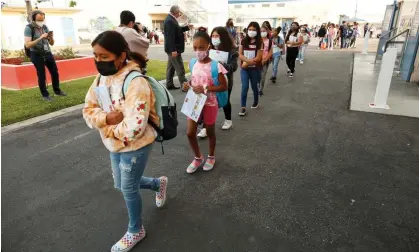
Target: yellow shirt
{"type": "Point", "coordinates": [134, 132]}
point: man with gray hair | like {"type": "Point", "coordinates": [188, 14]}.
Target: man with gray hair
{"type": "Point", "coordinates": [174, 46]}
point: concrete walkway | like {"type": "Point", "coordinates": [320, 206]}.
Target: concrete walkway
{"type": "Point", "coordinates": [301, 173]}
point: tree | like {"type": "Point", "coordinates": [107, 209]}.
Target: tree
{"type": "Point", "coordinates": [28, 10]}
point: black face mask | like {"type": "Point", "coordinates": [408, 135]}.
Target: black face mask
{"type": "Point", "coordinates": [106, 68]}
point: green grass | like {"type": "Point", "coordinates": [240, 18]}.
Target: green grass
{"type": "Point", "coordinates": [20, 105]}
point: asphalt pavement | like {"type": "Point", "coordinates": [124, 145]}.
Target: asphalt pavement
{"type": "Point", "coordinates": [300, 173]}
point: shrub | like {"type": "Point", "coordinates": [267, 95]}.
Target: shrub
{"type": "Point", "coordinates": [66, 53]}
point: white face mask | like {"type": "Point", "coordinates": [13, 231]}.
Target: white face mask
{"type": "Point", "coordinates": [263, 34]}
{"type": "Point", "coordinates": [39, 23]}
{"type": "Point", "coordinates": [216, 41]}
{"type": "Point", "coordinates": [252, 34]}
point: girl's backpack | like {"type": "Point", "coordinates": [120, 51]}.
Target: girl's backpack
{"type": "Point", "coordinates": [165, 106]}
{"type": "Point", "coordinates": [222, 97]}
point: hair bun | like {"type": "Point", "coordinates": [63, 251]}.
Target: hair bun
{"type": "Point", "coordinates": [202, 29]}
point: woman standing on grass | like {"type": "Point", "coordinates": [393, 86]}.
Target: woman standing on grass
{"type": "Point", "coordinates": [293, 41]}
{"type": "Point", "coordinates": [250, 54]}
{"type": "Point", "coordinates": [124, 127]}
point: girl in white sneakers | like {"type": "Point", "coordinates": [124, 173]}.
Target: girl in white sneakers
{"type": "Point", "coordinates": [221, 41]}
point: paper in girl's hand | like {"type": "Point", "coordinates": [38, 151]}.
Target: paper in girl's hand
{"type": "Point", "coordinates": [219, 56]}
{"type": "Point", "coordinates": [193, 104]}
{"type": "Point", "coordinates": [104, 98]}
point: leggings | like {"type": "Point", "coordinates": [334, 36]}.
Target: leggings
{"type": "Point", "coordinates": [227, 108]}
{"type": "Point", "coordinates": [292, 53]}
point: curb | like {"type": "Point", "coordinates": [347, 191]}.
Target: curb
{"type": "Point", "coordinates": [58, 113]}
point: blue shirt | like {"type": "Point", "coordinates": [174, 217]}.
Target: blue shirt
{"type": "Point", "coordinates": [42, 45]}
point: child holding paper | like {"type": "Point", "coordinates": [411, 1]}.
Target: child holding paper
{"type": "Point", "coordinates": [202, 83]}
{"type": "Point", "coordinates": [222, 44]}
{"type": "Point", "coordinates": [250, 54]}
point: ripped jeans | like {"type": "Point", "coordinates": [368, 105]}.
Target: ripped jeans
{"type": "Point", "coordinates": [127, 171]}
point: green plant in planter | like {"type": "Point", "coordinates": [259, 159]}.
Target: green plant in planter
{"type": "Point", "coordinates": [66, 53]}
{"type": "Point", "coordinates": [5, 53]}
{"type": "Point", "coordinates": [73, 3]}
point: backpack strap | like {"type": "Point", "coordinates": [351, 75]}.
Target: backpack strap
{"type": "Point", "coordinates": [214, 72]}
{"type": "Point", "coordinates": [128, 78]}
{"type": "Point", "coordinates": [192, 63]}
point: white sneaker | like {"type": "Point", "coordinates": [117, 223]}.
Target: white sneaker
{"type": "Point", "coordinates": [128, 241]}
{"type": "Point", "coordinates": [301, 62]}
{"type": "Point", "coordinates": [228, 124]}
{"type": "Point", "coordinates": [203, 133]}
{"type": "Point", "coordinates": [161, 194]}
{"type": "Point", "coordinates": [298, 59]}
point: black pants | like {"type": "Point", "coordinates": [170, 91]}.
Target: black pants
{"type": "Point", "coordinates": [292, 53]}
{"type": "Point", "coordinates": [320, 41]}
{"type": "Point", "coordinates": [175, 63]}
{"type": "Point", "coordinates": [227, 108]}
{"type": "Point", "coordinates": [40, 62]}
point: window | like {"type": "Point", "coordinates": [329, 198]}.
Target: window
{"type": "Point", "coordinates": [280, 5]}
{"type": "Point", "coordinates": [251, 6]}
{"type": "Point", "coordinates": [238, 6]}
{"type": "Point", "coordinates": [266, 5]}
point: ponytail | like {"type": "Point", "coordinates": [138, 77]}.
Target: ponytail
{"type": "Point", "coordinates": [137, 58]}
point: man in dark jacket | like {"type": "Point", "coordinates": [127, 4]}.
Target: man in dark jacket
{"type": "Point", "coordinates": [343, 29]}
{"type": "Point", "coordinates": [174, 46]}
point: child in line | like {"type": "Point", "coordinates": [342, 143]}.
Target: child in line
{"type": "Point", "coordinates": [277, 47]}
{"type": "Point", "coordinates": [202, 83]}
{"type": "Point", "coordinates": [222, 41]}
{"type": "Point", "coordinates": [266, 57]}
{"type": "Point", "coordinates": [306, 40]}
{"type": "Point", "coordinates": [250, 54]}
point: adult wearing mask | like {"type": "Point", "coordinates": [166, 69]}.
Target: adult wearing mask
{"type": "Point", "coordinates": [174, 46]}
{"type": "Point", "coordinates": [38, 39]}
{"type": "Point", "coordinates": [322, 34]}
{"type": "Point", "coordinates": [136, 42]}
{"type": "Point", "coordinates": [293, 42]}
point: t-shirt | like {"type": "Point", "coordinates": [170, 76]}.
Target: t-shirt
{"type": "Point", "coordinates": [251, 49]}
{"type": "Point", "coordinates": [293, 38]}
{"type": "Point", "coordinates": [201, 76]}
{"type": "Point", "coordinates": [266, 47]}
{"type": "Point", "coordinates": [276, 42]}
{"type": "Point", "coordinates": [42, 45]}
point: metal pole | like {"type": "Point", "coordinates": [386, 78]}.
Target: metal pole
{"type": "Point", "coordinates": [356, 7]}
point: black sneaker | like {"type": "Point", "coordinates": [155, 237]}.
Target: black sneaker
{"type": "Point", "coordinates": [273, 79]}
{"type": "Point", "coordinates": [47, 98]}
{"type": "Point", "coordinates": [261, 93]}
{"type": "Point", "coordinates": [255, 105]}
{"type": "Point", "coordinates": [61, 93]}
{"type": "Point", "coordinates": [242, 112]}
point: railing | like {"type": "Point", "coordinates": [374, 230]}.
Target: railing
{"type": "Point", "coordinates": [195, 12]}
{"type": "Point", "coordinates": [391, 41]}
{"type": "Point", "coordinates": [383, 36]}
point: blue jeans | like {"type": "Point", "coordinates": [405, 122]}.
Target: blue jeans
{"type": "Point", "coordinates": [127, 171]}
{"type": "Point", "coordinates": [301, 52]}
{"type": "Point", "coordinates": [253, 76]}
{"type": "Point", "coordinates": [275, 62]}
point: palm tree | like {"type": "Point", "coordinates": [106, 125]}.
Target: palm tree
{"type": "Point", "coordinates": [28, 10]}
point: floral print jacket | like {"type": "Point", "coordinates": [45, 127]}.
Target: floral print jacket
{"type": "Point", "coordinates": [134, 132]}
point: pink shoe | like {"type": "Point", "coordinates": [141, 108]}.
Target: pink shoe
{"type": "Point", "coordinates": [196, 163]}
{"type": "Point", "coordinates": [209, 164]}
